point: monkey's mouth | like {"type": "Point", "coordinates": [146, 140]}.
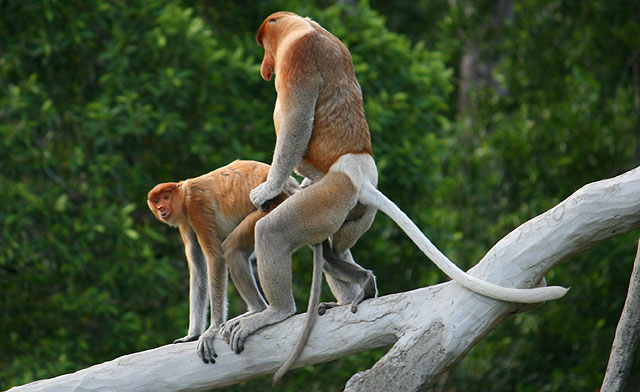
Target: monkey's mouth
{"type": "Point", "coordinates": [164, 215]}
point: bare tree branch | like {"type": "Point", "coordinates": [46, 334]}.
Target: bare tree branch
{"type": "Point", "coordinates": [431, 329]}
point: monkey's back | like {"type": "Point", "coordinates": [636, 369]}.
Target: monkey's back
{"type": "Point", "coordinates": [340, 126]}
{"type": "Point", "coordinates": [228, 188]}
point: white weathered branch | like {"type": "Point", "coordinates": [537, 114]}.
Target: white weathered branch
{"type": "Point", "coordinates": [432, 327]}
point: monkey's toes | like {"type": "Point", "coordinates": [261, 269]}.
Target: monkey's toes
{"type": "Point", "coordinates": [324, 306]}
{"type": "Point", "coordinates": [188, 338]}
{"type": "Point", "coordinates": [237, 342]}
{"type": "Point", "coordinates": [205, 349]}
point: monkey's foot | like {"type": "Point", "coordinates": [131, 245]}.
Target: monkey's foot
{"type": "Point", "coordinates": [237, 330]}
{"type": "Point", "coordinates": [369, 290]}
{"type": "Point", "coordinates": [205, 345]}
{"type": "Point", "coordinates": [324, 306]}
{"type": "Point", "coordinates": [188, 338]}
{"type": "Point", "coordinates": [225, 328]}
{"type": "Point", "coordinates": [234, 320]}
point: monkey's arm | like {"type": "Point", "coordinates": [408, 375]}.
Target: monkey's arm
{"type": "Point", "coordinates": [294, 127]}
{"type": "Point", "coordinates": [198, 292]}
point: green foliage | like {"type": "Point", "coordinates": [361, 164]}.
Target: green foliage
{"type": "Point", "coordinates": [99, 101]}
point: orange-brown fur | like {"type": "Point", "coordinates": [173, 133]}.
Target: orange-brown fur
{"type": "Point", "coordinates": [221, 195]}
{"type": "Point", "coordinates": [340, 126]}
{"type": "Point", "coordinates": [208, 209]}
{"type": "Point", "coordinates": [215, 202]}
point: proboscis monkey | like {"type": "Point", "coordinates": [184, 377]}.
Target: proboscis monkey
{"type": "Point", "coordinates": [208, 209]}
{"type": "Point", "coordinates": [323, 135]}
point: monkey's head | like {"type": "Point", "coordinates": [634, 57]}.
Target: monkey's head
{"type": "Point", "coordinates": [275, 28]}
{"type": "Point", "coordinates": [165, 201]}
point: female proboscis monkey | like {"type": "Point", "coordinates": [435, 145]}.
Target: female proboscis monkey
{"type": "Point", "coordinates": [207, 210]}
{"type": "Point", "coordinates": [323, 135]}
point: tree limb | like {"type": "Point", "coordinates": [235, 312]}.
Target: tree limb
{"type": "Point", "coordinates": [431, 328]}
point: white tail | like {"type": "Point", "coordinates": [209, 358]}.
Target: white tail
{"type": "Point", "coordinates": [371, 196]}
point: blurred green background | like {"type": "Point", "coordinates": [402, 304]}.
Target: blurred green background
{"type": "Point", "coordinates": [483, 115]}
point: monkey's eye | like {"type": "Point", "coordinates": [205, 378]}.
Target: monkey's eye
{"type": "Point", "coordinates": [155, 201]}
{"type": "Point", "coordinates": [165, 197]}
{"type": "Point", "coordinates": [273, 20]}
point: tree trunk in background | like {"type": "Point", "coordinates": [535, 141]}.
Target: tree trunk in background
{"type": "Point", "coordinates": [480, 57]}
{"type": "Point", "coordinates": [627, 336]}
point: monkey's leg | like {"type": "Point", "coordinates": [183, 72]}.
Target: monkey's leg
{"type": "Point", "coordinates": [308, 217]}
{"type": "Point", "coordinates": [344, 292]}
{"type": "Point", "coordinates": [341, 269]}
{"type": "Point", "coordinates": [237, 248]}
{"type": "Point", "coordinates": [354, 285]}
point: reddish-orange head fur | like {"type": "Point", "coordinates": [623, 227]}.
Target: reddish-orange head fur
{"type": "Point", "coordinates": [166, 202]}
{"type": "Point", "coordinates": [272, 31]}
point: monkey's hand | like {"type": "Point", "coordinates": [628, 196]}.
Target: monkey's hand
{"type": "Point", "coordinates": [263, 194]}
{"type": "Point", "coordinates": [188, 338]}
{"type": "Point", "coordinates": [205, 345]}
{"type": "Point", "coordinates": [306, 183]}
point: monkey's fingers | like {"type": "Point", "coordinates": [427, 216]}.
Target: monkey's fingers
{"type": "Point", "coordinates": [206, 351]}
{"type": "Point", "coordinates": [266, 206]}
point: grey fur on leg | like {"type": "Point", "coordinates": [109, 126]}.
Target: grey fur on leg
{"type": "Point", "coordinates": [348, 281]}
{"type": "Point", "coordinates": [325, 206]}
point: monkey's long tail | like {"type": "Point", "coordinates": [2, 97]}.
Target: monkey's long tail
{"type": "Point", "coordinates": [372, 196]}
{"type": "Point", "coordinates": [312, 313]}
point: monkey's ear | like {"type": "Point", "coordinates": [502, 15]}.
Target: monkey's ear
{"type": "Point", "coordinates": [260, 34]}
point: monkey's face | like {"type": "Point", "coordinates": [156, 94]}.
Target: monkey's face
{"type": "Point", "coordinates": [162, 201]}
